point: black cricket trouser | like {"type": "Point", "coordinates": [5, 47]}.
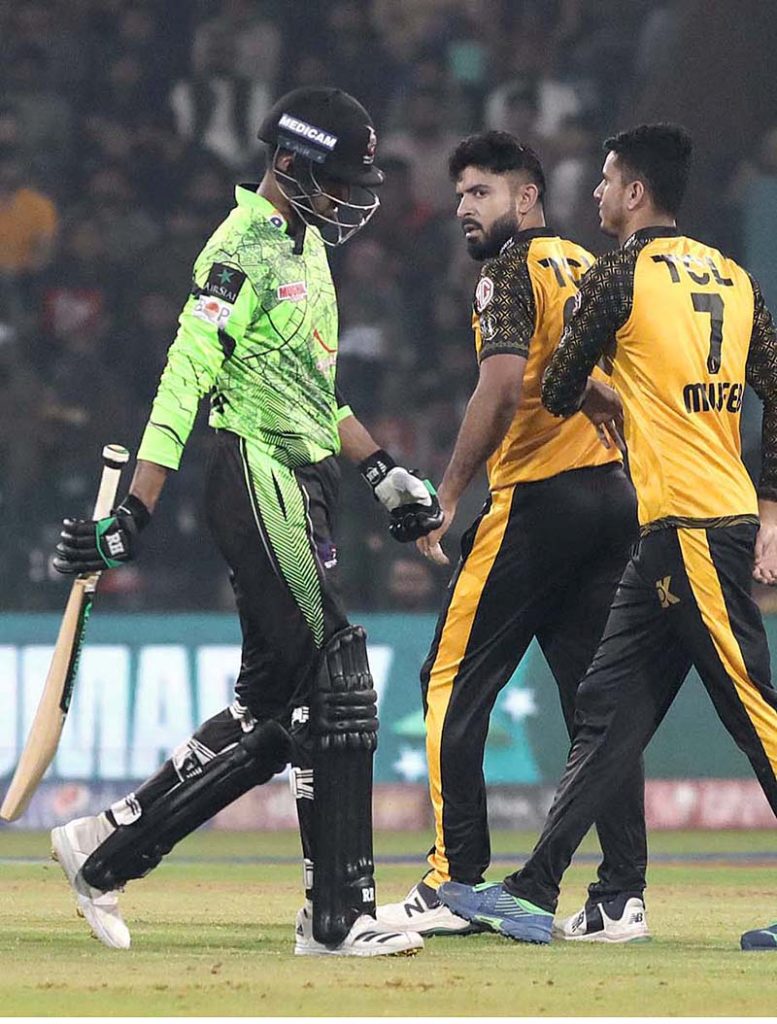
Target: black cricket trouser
{"type": "Point", "coordinates": [684, 600]}
{"type": "Point", "coordinates": [543, 559]}
{"type": "Point", "coordinates": [274, 527]}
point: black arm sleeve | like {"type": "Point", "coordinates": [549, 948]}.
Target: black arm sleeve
{"type": "Point", "coordinates": [761, 374]}
{"type": "Point", "coordinates": [505, 305]}
{"type": "Point", "coordinates": [602, 305]}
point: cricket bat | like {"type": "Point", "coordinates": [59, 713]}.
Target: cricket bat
{"type": "Point", "coordinates": [46, 728]}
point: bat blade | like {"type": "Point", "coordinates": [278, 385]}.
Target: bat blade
{"type": "Point", "coordinates": [46, 728]}
{"type": "Point", "coordinates": [49, 720]}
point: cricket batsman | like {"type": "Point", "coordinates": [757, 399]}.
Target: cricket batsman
{"type": "Point", "coordinates": [258, 335]}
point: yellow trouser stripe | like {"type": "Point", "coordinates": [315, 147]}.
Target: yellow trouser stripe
{"type": "Point", "coordinates": [450, 654]}
{"type": "Point", "coordinates": [707, 591]}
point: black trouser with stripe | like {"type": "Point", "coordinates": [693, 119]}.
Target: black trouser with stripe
{"type": "Point", "coordinates": [274, 527]}
{"type": "Point", "coordinates": [684, 600]}
{"type": "Point", "coordinates": [543, 560]}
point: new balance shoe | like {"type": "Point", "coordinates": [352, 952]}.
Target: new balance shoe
{"type": "Point", "coordinates": [490, 904]}
{"type": "Point", "coordinates": [70, 846]}
{"type": "Point", "coordinates": [367, 937]}
{"type": "Point", "coordinates": [621, 919]}
{"type": "Point", "coordinates": [422, 911]}
{"type": "Point", "coordinates": [760, 938]}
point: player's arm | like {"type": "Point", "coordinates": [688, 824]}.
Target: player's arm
{"type": "Point", "coordinates": [410, 501]}
{"type": "Point", "coordinates": [602, 306]}
{"type": "Point", "coordinates": [507, 311]}
{"type": "Point", "coordinates": [761, 373]}
{"type": "Point", "coordinates": [488, 416]}
{"type": "Point", "coordinates": [210, 326]}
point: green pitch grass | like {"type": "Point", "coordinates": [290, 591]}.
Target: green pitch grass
{"type": "Point", "coordinates": [212, 933]}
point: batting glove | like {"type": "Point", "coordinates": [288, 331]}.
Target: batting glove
{"type": "Point", "coordinates": [91, 545]}
{"type": "Point", "coordinates": [410, 501]}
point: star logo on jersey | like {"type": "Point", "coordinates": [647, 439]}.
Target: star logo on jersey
{"type": "Point", "coordinates": [224, 282]}
{"type": "Point", "coordinates": [665, 595]}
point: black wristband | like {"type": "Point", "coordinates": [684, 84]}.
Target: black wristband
{"type": "Point", "coordinates": [134, 507]}
{"type": "Point", "coordinates": [376, 467]}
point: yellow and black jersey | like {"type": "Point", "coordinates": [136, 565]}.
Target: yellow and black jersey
{"type": "Point", "coordinates": [519, 308]}
{"type": "Point", "coordinates": [684, 328]}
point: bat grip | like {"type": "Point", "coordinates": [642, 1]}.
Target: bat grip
{"type": "Point", "coordinates": [115, 457]}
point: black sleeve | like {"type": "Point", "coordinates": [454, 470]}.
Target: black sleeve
{"type": "Point", "coordinates": [761, 374]}
{"type": "Point", "coordinates": [602, 305]}
{"type": "Point", "coordinates": [505, 306]}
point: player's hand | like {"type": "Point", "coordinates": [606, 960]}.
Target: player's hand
{"type": "Point", "coordinates": [92, 545]}
{"type": "Point", "coordinates": [765, 563]}
{"type": "Point", "coordinates": [430, 546]}
{"type": "Point", "coordinates": [411, 502]}
{"type": "Point", "coordinates": [603, 407]}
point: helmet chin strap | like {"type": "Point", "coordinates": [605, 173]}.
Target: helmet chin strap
{"type": "Point", "coordinates": [299, 237]}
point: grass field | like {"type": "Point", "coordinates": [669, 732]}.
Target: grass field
{"type": "Point", "coordinates": [213, 935]}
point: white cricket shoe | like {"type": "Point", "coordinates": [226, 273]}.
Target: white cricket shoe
{"type": "Point", "coordinates": [70, 846]}
{"type": "Point", "coordinates": [594, 923]}
{"type": "Point", "coordinates": [423, 912]}
{"type": "Point", "coordinates": [367, 937]}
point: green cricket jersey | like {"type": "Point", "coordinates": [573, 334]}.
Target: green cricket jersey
{"type": "Point", "coordinates": [259, 335]}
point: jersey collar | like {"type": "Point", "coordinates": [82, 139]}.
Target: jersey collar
{"type": "Point", "coordinates": [645, 234]}
{"type": "Point", "coordinates": [529, 233]}
{"type": "Point", "coordinates": [526, 236]}
{"type": "Point", "coordinates": [249, 199]}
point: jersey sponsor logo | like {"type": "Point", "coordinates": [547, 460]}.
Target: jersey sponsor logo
{"type": "Point", "coordinates": [212, 311]}
{"type": "Point", "coordinates": [674, 261]}
{"type": "Point", "coordinates": [714, 397]}
{"type": "Point", "coordinates": [224, 282]}
{"type": "Point", "coordinates": [293, 292]}
{"type": "Point", "coordinates": [484, 293]}
{"type": "Point", "coordinates": [307, 131]}
{"type": "Point", "coordinates": [487, 327]}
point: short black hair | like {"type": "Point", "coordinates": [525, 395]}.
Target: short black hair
{"type": "Point", "coordinates": [499, 153]}
{"type": "Point", "coordinates": [660, 155]}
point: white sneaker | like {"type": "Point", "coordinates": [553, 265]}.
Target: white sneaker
{"type": "Point", "coordinates": [593, 923]}
{"type": "Point", "coordinates": [367, 937]}
{"type": "Point", "coordinates": [422, 911]}
{"type": "Point", "coordinates": [70, 846]}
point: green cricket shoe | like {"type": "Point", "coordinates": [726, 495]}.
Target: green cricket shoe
{"type": "Point", "coordinates": [490, 904]}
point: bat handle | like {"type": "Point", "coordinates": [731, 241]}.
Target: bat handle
{"type": "Point", "coordinates": [115, 457]}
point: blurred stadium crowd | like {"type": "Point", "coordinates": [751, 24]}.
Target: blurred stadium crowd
{"type": "Point", "coordinates": [123, 128]}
